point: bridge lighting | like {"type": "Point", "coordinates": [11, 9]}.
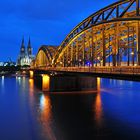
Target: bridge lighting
{"type": "Point", "coordinates": [45, 82]}
{"type": "Point", "coordinates": [88, 63]}
{"type": "Point", "coordinates": [101, 40]}
{"type": "Point", "coordinates": [31, 74]}
{"type": "Point", "coordinates": [98, 58]}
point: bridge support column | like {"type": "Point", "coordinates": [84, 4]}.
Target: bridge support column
{"type": "Point", "coordinates": [137, 7]}
{"type": "Point", "coordinates": [133, 53]}
{"type": "Point", "coordinates": [64, 59]}
{"type": "Point", "coordinates": [114, 59]}
{"type": "Point", "coordinates": [31, 74]}
{"type": "Point", "coordinates": [45, 82]}
{"type": "Point", "coordinates": [92, 49]}
{"type": "Point", "coordinates": [103, 47]}
{"type": "Point", "coordinates": [96, 51]}
{"type": "Point", "coordinates": [115, 48]}
{"type": "Point", "coordinates": [92, 53]}
{"type": "Point", "coordinates": [118, 63]}
{"type": "Point", "coordinates": [128, 41]}
{"type": "Point", "coordinates": [109, 49]}
{"type": "Point", "coordinates": [83, 50]}
{"type": "Point", "coordinates": [71, 56]}
{"type": "Point", "coordinates": [77, 53]}
{"type": "Point", "coordinates": [138, 42]}
{"type": "Point", "coordinates": [67, 56]}
{"type": "Point", "coordinates": [74, 54]}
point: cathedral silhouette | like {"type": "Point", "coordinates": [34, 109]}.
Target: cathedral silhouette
{"type": "Point", "coordinates": [25, 57]}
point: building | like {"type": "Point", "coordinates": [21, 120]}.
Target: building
{"type": "Point", "coordinates": [25, 57]}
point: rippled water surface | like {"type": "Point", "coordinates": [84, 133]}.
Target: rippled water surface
{"type": "Point", "coordinates": [112, 112]}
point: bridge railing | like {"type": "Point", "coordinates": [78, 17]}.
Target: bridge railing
{"type": "Point", "coordinates": [130, 70]}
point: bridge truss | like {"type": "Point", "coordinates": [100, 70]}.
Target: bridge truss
{"type": "Point", "coordinates": [109, 37]}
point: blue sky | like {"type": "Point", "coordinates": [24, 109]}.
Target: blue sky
{"type": "Point", "coordinates": [45, 21]}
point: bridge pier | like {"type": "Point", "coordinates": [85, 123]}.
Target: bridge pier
{"type": "Point", "coordinates": [65, 82]}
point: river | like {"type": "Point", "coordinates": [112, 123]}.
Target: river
{"type": "Point", "coordinates": [112, 112]}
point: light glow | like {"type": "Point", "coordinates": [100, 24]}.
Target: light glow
{"type": "Point", "coordinates": [45, 82]}
{"type": "Point", "coordinates": [31, 74]}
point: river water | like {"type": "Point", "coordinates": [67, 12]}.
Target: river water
{"type": "Point", "coordinates": [112, 112]}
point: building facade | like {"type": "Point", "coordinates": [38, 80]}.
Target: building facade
{"type": "Point", "coordinates": [25, 57]}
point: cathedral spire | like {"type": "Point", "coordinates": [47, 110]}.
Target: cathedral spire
{"type": "Point", "coordinates": [22, 49]}
{"type": "Point", "coordinates": [29, 48]}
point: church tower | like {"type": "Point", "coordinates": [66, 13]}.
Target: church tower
{"type": "Point", "coordinates": [25, 57]}
{"type": "Point", "coordinates": [29, 48]}
{"type": "Point", "coordinates": [22, 49]}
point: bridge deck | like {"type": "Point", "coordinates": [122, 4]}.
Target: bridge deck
{"type": "Point", "coordinates": [99, 70]}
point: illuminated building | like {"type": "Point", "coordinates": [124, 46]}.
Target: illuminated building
{"type": "Point", "coordinates": [25, 56]}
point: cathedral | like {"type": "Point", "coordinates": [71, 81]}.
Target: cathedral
{"type": "Point", "coordinates": [25, 56]}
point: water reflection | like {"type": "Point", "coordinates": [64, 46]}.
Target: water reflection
{"type": "Point", "coordinates": [98, 109]}
{"type": "Point", "coordinates": [31, 86]}
{"type": "Point", "coordinates": [98, 104]}
{"type": "Point", "coordinates": [2, 84]}
{"type": "Point", "coordinates": [23, 82]}
{"type": "Point", "coordinates": [112, 112]}
{"type": "Point", "coordinates": [46, 117]}
{"type": "Point", "coordinates": [2, 81]}
{"type": "Point", "coordinates": [18, 79]}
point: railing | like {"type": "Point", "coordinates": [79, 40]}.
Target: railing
{"type": "Point", "coordinates": [129, 70]}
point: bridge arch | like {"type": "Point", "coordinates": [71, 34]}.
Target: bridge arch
{"type": "Point", "coordinates": [44, 56]}
{"type": "Point", "coordinates": [111, 36]}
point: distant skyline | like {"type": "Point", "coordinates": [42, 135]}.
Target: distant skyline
{"type": "Point", "coordinates": [46, 22]}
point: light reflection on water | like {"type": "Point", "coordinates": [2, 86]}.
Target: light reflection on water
{"type": "Point", "coordinates": [98, 104]}
{"type": "Point", "coordinates": [45, 117]}
{"type": "Point", "coordinates": [2, 84]}
{"type": "Point", "coordinates": [2, 81]}
{"type": "Point", "coordinates": [98, 109]}
{"type": "Point", "coordinates": [31, 86]}
{"type": "Point", "coordinates": [112, 111]}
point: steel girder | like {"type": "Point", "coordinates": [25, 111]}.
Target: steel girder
{"type": "Point", "coordinates": [45, 55]}
{"type": "Point", "coordinates": [124, 10]}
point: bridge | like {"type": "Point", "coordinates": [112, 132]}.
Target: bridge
{"type": "Point", "coordinates": [108, 42]}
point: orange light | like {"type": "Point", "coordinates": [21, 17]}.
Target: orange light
{"type": "Point", "coordinates": [98, 109]}
{"type": "Point", "coordinates": [31, 83]}
{"type": "Point", "coordinates": [31, 74]}
{"type": "Point", "coordinates": [24, 72]}
{"type": "Point", "coordinates": [98, 103]}
{"type": "Point", "coordinates": [45, 82]}
{"type": "Point", "coordinates": [46, 116]}
{"type": "Point", "coordinates": [98, 84]}
{"type": "Point", "coordinates": [31, 86]}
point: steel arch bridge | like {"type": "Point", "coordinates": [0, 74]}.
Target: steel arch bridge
{"type": "Point", "coordinates": [44, 56]}
{"type": "Point", "coordinates": [110, 37]}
